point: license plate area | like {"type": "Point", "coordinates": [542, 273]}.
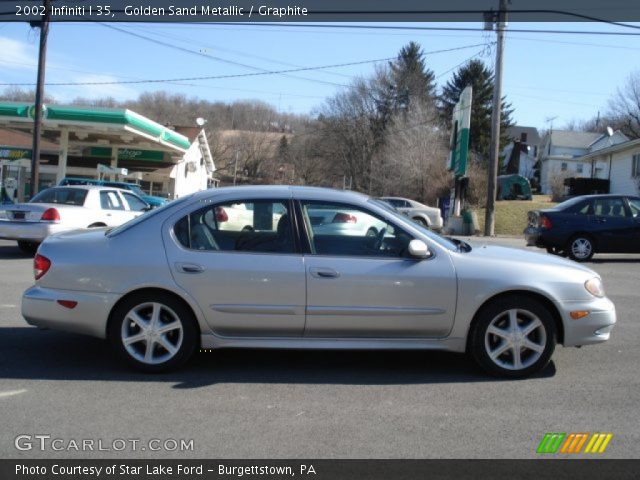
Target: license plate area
{"type": "Point", "coordinates": [18, 215]}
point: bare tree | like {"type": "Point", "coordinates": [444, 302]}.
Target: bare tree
{"type": "Point", "coordinates": [624, 107]}
{"type": "Point", "coordinates": [413, 161]}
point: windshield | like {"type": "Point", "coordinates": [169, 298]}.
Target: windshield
{"type": "Point", "coordinates": [151, 213]}
{"type": "Point", "coordinates": [444, 242]}
{"type": "Point", "coordinates": [137, 190]}
{"type": "Point", "coordinates": [567, 203]}
{"type": "Point", "coordinates": [66, 196]}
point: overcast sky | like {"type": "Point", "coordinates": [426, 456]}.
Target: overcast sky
{"type": "Point", "coordinates": [545, 76]}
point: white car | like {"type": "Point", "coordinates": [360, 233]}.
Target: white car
{"type": "Point", "coordinates": [333, 220]}
{"type": "Point", "coordinates": [426, 216]}
{"type": "Point", "coordinates": [240, 217]}
{"type": "Point", "coordinates": [60, 209]}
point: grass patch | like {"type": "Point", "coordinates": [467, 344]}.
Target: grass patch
{"type": "Point", "coordinates": [511, 215]}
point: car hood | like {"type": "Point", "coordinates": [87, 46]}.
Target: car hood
{"type": "Point", "coordinates": [521, 258]}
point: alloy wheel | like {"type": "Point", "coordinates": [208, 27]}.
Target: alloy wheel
{"type": "Point", "coordinates": [515, 339]}
{"type": "Point", "coordinates": [581, 248]}
{"type": "Point", "coordinates": [152, 333]}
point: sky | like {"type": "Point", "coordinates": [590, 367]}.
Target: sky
{"type": "Point", "coordinates": [550, 79]}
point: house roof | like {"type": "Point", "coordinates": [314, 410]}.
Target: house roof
{"type": "Point", "coordinates": [515, 133]}
{"type": "Point", "coordinates": [571, 139]}
{"type": "Point", "coordinates": [612, 149]}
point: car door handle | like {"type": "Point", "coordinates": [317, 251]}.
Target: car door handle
{"type": "Point", "coordinates": [323, 272]}
{"type": "Point", "coordinates": [189, 268]}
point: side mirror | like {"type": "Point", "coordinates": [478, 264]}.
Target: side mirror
{"type": "Point", "coordinates": [418, 249]}
{"type": "Point", "coordinates": [147, 208]}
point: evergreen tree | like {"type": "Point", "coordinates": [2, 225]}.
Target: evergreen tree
{"type": "Point", "coordinates": [410, 77]}
{"type": "Point", "coordinates": [480, 77]}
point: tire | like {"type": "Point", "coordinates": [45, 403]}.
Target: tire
{"type": "Point", "coordinates": [581, 248]}
{"type": "Point", "coordinates": [28, 247]}
{"type": "Point", "coordinates": [167, 350]}
{"type": "Point", "coordinates": [503, 347]}
{"type": "Point", "coordinates": [421, 221]}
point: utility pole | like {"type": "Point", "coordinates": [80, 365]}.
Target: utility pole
{"type": "Point", "coordinates": [37, 116]}
{"type": "Point", "coordinates": [494, 150]}
{"type": "Point", "coordinates": [235, 168]}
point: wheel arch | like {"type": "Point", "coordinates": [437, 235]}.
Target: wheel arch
{"type": "Point", "coordinates": [153, 291]}
{"type": "Point", "coordinates": [421, 216]}
{"type": "Point", "coordinates": [97, 224]}
{"type": "Point", "coordinates": [544, 300]}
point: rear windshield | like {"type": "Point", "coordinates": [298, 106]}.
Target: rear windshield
{"type": "Point", "coordinates": [64, 196]}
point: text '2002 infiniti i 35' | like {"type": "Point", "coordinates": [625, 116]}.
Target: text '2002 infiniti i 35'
{"type": "Point", "coordinates": [176, 279]}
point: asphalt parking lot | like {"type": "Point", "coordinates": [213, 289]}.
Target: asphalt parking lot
{"type": "Point", "coordinates": [297, 404]}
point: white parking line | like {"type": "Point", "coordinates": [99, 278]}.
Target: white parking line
{"type": "Point", "coordinates": [11, 393]}
{"type": "Point", "coordinates": [7, 305]}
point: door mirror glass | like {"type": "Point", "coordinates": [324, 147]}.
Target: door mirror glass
{"type": "Point", "coordinates": [418, 249]}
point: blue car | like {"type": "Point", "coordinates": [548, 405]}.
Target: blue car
{"type": "Point", "coordinates": [588, 224]}
{"type": "Point", "coordinates": [135, 188]}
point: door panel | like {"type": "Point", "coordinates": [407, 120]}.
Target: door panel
{"type": "Point", "coordinates": [611, 224]}
{"type": "Point", "coordinates": [241, 290]}
{"type": "Point", "coordinates": [384, 298]}
{"type": "Point", "coordinates": [361, 285]}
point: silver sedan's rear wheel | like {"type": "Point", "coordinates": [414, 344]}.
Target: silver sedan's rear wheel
{"type": "Point", "coordinates": [513, 337]}
{"type": "Point", "coordinates": [153, 333]}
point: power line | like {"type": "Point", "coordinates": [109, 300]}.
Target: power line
{"type": "Point", "coordinates": [413, 28]}
{"type": "Point", "coordinates": [240, 75]}
{"type": "Point", "coordinates": [210, 57]}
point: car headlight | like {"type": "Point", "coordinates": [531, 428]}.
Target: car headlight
{"type": "Point", "coordinates": [594, 287]}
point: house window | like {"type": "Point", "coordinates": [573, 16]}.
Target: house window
{"type": "Point", "coordinates": [579, 168]}
{"type": "Point", "coordinates": [635, 165]}
{"type": "Point", "coordinates": [563, 166]}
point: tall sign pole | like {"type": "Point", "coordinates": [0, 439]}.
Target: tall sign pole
{"type": "Point", "coordinates": [459, 146]}
{"type": "Point", "coordinates": [37, 115]}
{"type": "Point", "coordinates": [494, 150]}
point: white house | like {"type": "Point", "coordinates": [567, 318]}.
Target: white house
{"type": "Point", "coordinates": [619, 163]}
{"type": "Point", "coordinates": [561, 154]}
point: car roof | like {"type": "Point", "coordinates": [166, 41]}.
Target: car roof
{"type": "Point", "coordinates": [279, 190]}
{"type": "Point", "coordinates": [87, 187]}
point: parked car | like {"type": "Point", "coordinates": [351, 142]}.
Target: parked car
{"type": "Point", "coordinates": [172, 281]}
{"type": "Point", "coordinates": [59, 209]}
{"type": "Point", "coordinates": [429, 217]}
{"type": "Point", "coordinates": [336, 219]}
{"type": "Point", "coordinates": [133, 187]}
{"type": "Point", "coordinates": [582, 226]}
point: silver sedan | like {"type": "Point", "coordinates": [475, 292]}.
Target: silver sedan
{"type": "Point", "coordinates": [167, 283]}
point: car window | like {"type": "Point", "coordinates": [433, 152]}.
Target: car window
{"type": "Point", "coordinates": [583, 208]}
{"type": "Point", "coordinates": [253, 226]}
{"type": "Point", "coordinates": [347, 230]}
{"type": "Point", "coordinates": [135, 203]}
{"type": "Point", "coordinates": [609, 207]}
{"type": "Point", "coordinates": [65, 196]}
{"type": "Point", "coordinates": [109, 200]}
{"type": "Point", "coordinates": [634, 204]}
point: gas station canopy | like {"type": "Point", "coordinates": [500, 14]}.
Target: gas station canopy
{"type": "Point", "coordinates": [124, 137]}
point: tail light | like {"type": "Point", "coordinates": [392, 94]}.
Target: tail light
{"type": "Point", "coordinates": [545, 222]}
{"type": "Point", "coordinates": [41, 265]}
{"type": "Point", "coordinates": [50, 215]}
{"type": "Point", "coordinates": [221, 215]}
{"type": "Point", "coordinates": [344, 218]}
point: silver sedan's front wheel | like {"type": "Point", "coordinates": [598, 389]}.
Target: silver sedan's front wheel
{"type": "Point", "coordinates": [153, 333]}
{"type": "Point", "coordinates": [513, 337]}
